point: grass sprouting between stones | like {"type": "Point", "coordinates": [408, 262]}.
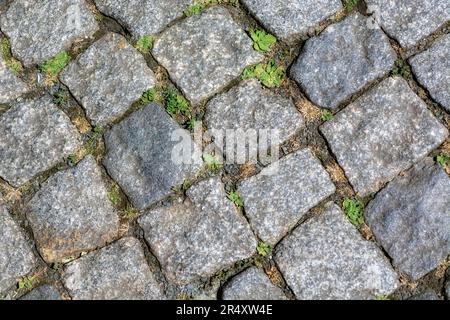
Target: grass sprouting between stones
{"type": "Point", "coordinates": [212, 162]}
{"type": "Point", "coordinates": [354, 210]}
{"type": "Point", "coordinates": [176, 104]}
{"type": "Point", "coordinates": [114, 195]}
{"type": "Point", "coordinates": [268, 73]}
{"type": "Point", "coordinates": [443, 159]}
{"type": "Point", "coordinates": [148, 96]}
{"type": "Point", "coordinates": [200, 5]}
{"type": "Point", "coordinates": [27, 282]}
{"type": "Point", "coordinates": [236, 198]}
{"type": "Point", "coordinates": [264, 249]}
{"type": "Point", "coordinates": [401, 68]}
{"type": "Point", "coordinates": [14, 65]}
{"type": "Point", "coordinates": [262, 41]}
{"type": "Point", "coordinates": [55, 65]}
{"type": "Point", "coordinates": [145, 44]}
{"type": "Point", "coordinates": [327, 115]}
{"type": "Point", "coordinates": [349, 5]}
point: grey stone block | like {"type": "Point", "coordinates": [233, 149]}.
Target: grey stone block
{"type": "Point", "coordinates": [205, 52]}
{"type": "Point", "coordinates": [36, 136]}
{"type": "Point", "coordinates": [44, 292]}
{"type": "Point", "coordinates": [326, 258]}
{"type": "Point", "coordinates": [382, 133]}
{"type": "Point", "coordinates": [199, 237]}
{"type": "Point", "coordinates": [72, 213]}
{"type": "Point", "coordinates": [108, 77]}
{"type": "Point", "coordinates": [343, 60]}
{"type": "Point", "coordinates": [411, 218]}
{"type": "Point", "coordinates": [277, 198]}
{"type": "Point", "coordinates": [11, 87]}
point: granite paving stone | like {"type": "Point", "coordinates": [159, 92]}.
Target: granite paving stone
{"type": "Point", "coordinates": [44, 292]}
{"type": "Point", "coordinates": [39, 29]}
{"type": "Point", "coordinates": [35, 136]}
{"type": "Point", "coordinates": [205, 52]}
{"type": "Point", "coordinates": [411, 218]}
{"type": "Point", "coordinates": [200, 236]}
{"type": "Point", "coordinates": [344, 59]}
{"type": "Point", "coordinates": [382, 133]}
{"type": "Point", "coordinates": [327, 258]}
{"type": "Point", "coordinates": [71, 213]}
{"type": "Point", "coordinates": [278, 197]}
{"type": "Point", "coordinates": [108, 77]}
{"type": "Point", "coordinates": [11, 87]}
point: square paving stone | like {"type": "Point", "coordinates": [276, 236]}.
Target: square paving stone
{"type": "Point", "coordinates": [205, 52]}
{"type": "Point", "coordinates": [276, 198]}
{"type": "Point", "coordinates": [432, 69]}
{"type": "Point", "coordinates": [45, 292]}
{"type": "Point", "coordinates": [143, 17]}
{"type": "Point", "coordinates": [252, 284]}
{"type": "Point", "coordinates": [142, 155]}
{"type": "Point", "coordinates": [326, 258]}
{"type": "Point", "coordinates": [108, 77]}
{"type": "Point", "coordinates": [116, 272]}
{"type": "Point", "coordinates": [16, 256]}
{"type": "Point", "coordinates": [291, 19]}
{"type": "Point", "coordinates": [11, 87]}
{"type": "Point", "coordinates": [36, 136]}
{"type": "Point", "coordinates": [382, 133]}
{"type": "Point", "coordinates": [250, 107]}
{"type": "Point", "coordinates": [199, 237]}
{"type": "Point", "coordinates": [411, 218]}
{"type": "Point", "coordinates": [410, 21]}
{"type": "Point", "coordinates": [343, 60]}
{"type": "Point", "coordinates": [72, 213]}
{"type": "Point", "coordinates": [39, 29]}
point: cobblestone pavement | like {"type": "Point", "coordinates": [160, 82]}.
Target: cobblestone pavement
{"type": "Point", "coordinates": [100, 99]}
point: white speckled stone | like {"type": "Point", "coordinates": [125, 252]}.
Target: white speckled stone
{"type": "Point", "coordinates": [274, 203]}
{"type": "Point", "coordinates": [35, 136]}
{"type": "Point", "coordinates": [108, 77]}
{"type": "Point", "coordinates": [205, 52]}
{"type": "Point", "coordinates": [116, 272]}
{"type": "Point", "coordinates": [382, 133]}
{"type": "Point", "coordinates": [432, 69]}
{"type": "Point", "coordinates": [410, 21]}
{"type": "Point", "coordinates": [326, 258]}
{"type": "Point", "coordinates": [343, 60]}
{"type": "Point", "coordinates": [39, 29]}
{"type": "Point", "coordinates": [252, 284]}
{"type": "Point", "coordinates": [11, 87]}
{"type": "Point", "coordinates": [143, 17]}
{"type": "Point", "coordinates": [16, 257]}
{"type": "Point", "coordinates": [411, 218]}
{"type": "Point", "coordinates": [72, 213]}
{"type": "Point", "coordinates": [197, 238]}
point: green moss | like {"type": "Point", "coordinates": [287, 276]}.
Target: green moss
{"type": "Point", "coordinates": [349, 5]}
{"type": "Point", "coordinates": [114, 195]}
{"type": "Point", "coordinates": [268, 73]}
{"type": "Point", "coordinates": [354, 209]}
{"type": "Point", "coordinates": [194, 9]}
{"type": "Point", "coordinates": [327, 115]}
{"type": "Point", "coordinates": [55, 65]}
{"type": "Point", "coordinates": [145, 44]}
{"type": "Point", "coordinates": [14, 65]}
{"type": "Point", "coordinates": [401, 68]}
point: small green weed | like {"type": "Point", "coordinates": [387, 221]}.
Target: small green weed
{"type": "Point", "coordinates": [212, 162]}
{"type": "Point", "coordinates": [382, 297]}
{"type": "Point", "coordinates": [193, 9]}
{"type": "Point", "coordinates": [269, 74]}
{"type": "Point", "coordinates": [114, 195]}
{"type": "Point", "coordinates": [264, 249]}
{"type": "Point", "coordinates": [349, 5]}
{"type": "Point", "coordinates": [145, 44]}
{"type": "Point", "coordinates": [443, 159]}
{"type": "Point", "coordinates": [262, 41]}
{"type": "Point", "coordinates": [327, 115]}
{"type": "Point", "coordinates": [14, 65]}
{"type": "Point", "coordinates": [27, 282]}
{"type": "Point", "coordinates": [72, 159]}
{"type": "Point", "coordinates": [401, 68]}
{"type": "Point", "coordinates": [130, 212]}
{"type": "Point", "coordinates": [55, 65]}
{"type": "Point", "coordinates": [235, 197]}
{"type": "Point", "coordinates": [148, 96]}
{"type": "Point", "coordinates": [354, 209]}
{"type": "Point", "coordinates": [176, 104]}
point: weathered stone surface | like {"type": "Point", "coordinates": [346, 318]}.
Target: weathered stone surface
{"type": "Point", "coordinates": [143, 17]}
{"type": "Point", "coordinates": [411, 219]}
{"type": "Point", "coordinates": [344, 59]}
{"type": "Point", "coordinates": [426, 295]}
{"type": "Point", "coordinates": [410, 21]}
{"type": "Point", "coordinates": [142, 155]}
{"type": "Point", "coordinates": [327, 258]}
{"type": "Point", "coordinates": [45, 292]}
{"type": "Point", "coordinates": [199, 237]}
{"type": "Point", "coordinates": [36, 136]}
{"type": "Point", "coordinates": [108, 77]}
{"type": "Point", "coordinates": [72, 213]}
{"type": "Point", "coordinates": [11, 87]}
{"type": "Point", "coordinates": [16, 257]}
{"type": "Point", "coordinates": [447, 286]}
{"type": "Point", "coordinates": [116, 272]}
{"type": "Point", "coordinates": [292, 19]}
{"type": "Point", "coordinates": [205, 52]}
{"type": "Point", "coordinates": [252, 284]}
{"type": "Point", "coordinates": [381, 134]}
{"type": "Point", "coordinates": [250, 107]}
{"type": "Point", "coordinates": [39, 29]}
{"type": "Point", "coordinates": [432, 69]}
{"type": "Point", "coordinates": [282, 193]}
